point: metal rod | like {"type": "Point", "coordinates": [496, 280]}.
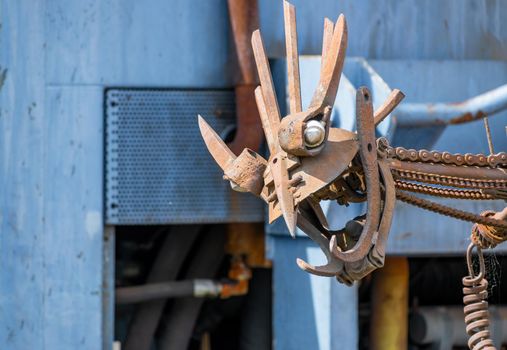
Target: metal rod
{"type": "Point", "coordinates": [390, 103]}
{"type": "Point", "coordinates": [488, 135]}
{"type": "Point", "coordinates": [428, 114]}
{"type": "Point", "coordinates": [291, 43]}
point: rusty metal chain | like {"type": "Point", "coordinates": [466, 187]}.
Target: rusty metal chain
{"type": "Point", "coordinates": [448, 211]}
{"type": "Point", "coordinates": [448, 180]}
{"type": "Point", "coordinates": [413, 155]}
{"type": "Point", "coordinates": [442, 192]}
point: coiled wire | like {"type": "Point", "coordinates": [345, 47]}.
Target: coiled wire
{"type": "Point", "coordinates": [476, 306]}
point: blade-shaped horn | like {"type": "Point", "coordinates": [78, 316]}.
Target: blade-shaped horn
{"type": "Point", "coordinates": [218, 149]}
{"type": "Point", "coordinates": [291, 45]}
{"type": "Point", "coordinates": [326, 41]}
{"type": "Point", "coordinates": [267, 88]}
{"type": "Point", "coordinates": [332, 66]}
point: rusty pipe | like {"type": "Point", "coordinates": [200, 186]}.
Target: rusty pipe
{"type": "Point", "coordinates": [434, 114]}
{"type": "Point", "coordinates": [244, 17]}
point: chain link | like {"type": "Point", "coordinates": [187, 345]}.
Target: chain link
{"type": "Point", "coordinates": [425, 156]}
{"type": "Point", "coordinates": [442, 192]}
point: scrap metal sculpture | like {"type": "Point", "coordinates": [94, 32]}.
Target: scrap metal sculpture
{"type": "Point", "coordinates": [310, 161]}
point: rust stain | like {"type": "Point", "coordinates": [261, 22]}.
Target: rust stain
{"type": "Point", "coordinates": [467, 117]}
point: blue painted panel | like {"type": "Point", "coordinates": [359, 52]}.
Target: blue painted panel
{"type": "Point", "coordinates": [391, 29]}
{"type": "Point", "coordinates": [51, 213]}
{"type": "Point", "coordinates": [310, 312]}
{"type": "Point", "coordinates": [448, 81]}
{"type": "Point", "coordinates": [73, 211]}
{"type": "Point", "coordinates": [138, 43]}
{"type": "Point", "coordinates": [22, 240]}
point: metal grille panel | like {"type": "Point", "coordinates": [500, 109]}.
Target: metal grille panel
{"type": "Point", "coordinates": [158, 170]}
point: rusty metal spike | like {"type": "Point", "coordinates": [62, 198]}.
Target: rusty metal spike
{"type": "Point", "coordinates": [218, 149]}
{"type": "Point", "coordinates": [333, 66]}
{"type": "Point", "coordinates": [326, 41]}
{"type": "Point", "coordinates": [291, 43]}
{"type": "Point", "coordinates": [268, 90]}
{"type": "Point", "coordinates": [266, 123]}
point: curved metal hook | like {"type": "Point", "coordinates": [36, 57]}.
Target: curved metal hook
{"type": "Point", "coordinates": [368, 153]}
{"type": "Point", "coordinates": [333, 266]}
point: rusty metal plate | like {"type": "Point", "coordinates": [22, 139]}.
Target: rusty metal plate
{"type": "Point", "coordinates": [158, 170]}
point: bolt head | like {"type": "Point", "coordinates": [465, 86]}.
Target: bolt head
{"type": "Point", "coordinates": [314, 134]}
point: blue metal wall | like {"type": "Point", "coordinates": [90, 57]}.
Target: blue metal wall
{"type": "Point", "coordinates": [56, 59]}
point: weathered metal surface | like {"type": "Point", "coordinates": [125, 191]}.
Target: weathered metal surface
{"type": "Point", "coordinates": [244, 18]}
{"type": "Point", "coordinates": [321, 302]}
{"type": "Point", "coordinates": [388, 29]}
{"type": "Point", "coordinates": [248, 240]}
{"type": "Point", "coordinates": [23, 281]}
{"type": "Point", "coordinates": [368, 154]}
{"type": "Point", "coordinates": [291, 40]}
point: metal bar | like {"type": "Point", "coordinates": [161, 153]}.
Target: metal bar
{"type": "Point", "coordinates": [391, 102]}
{"type": "Point", "coordinates": [291, 43]}
{"type": "Point", "coordinates": [428, 114]}
{"type": "Point", "coordinates": [174, 289]}
{"type": "Point", "coordinates": [326, 41]}
{"type": "Point", "coordinates": [267, 87]}
{"type": "Point", "coordinates": [488, 135]}
{"type": "Point", "coordinates": [266, 123]}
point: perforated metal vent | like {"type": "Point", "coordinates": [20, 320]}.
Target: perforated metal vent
{"type": "Point", "coordinates": [158, 170]}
